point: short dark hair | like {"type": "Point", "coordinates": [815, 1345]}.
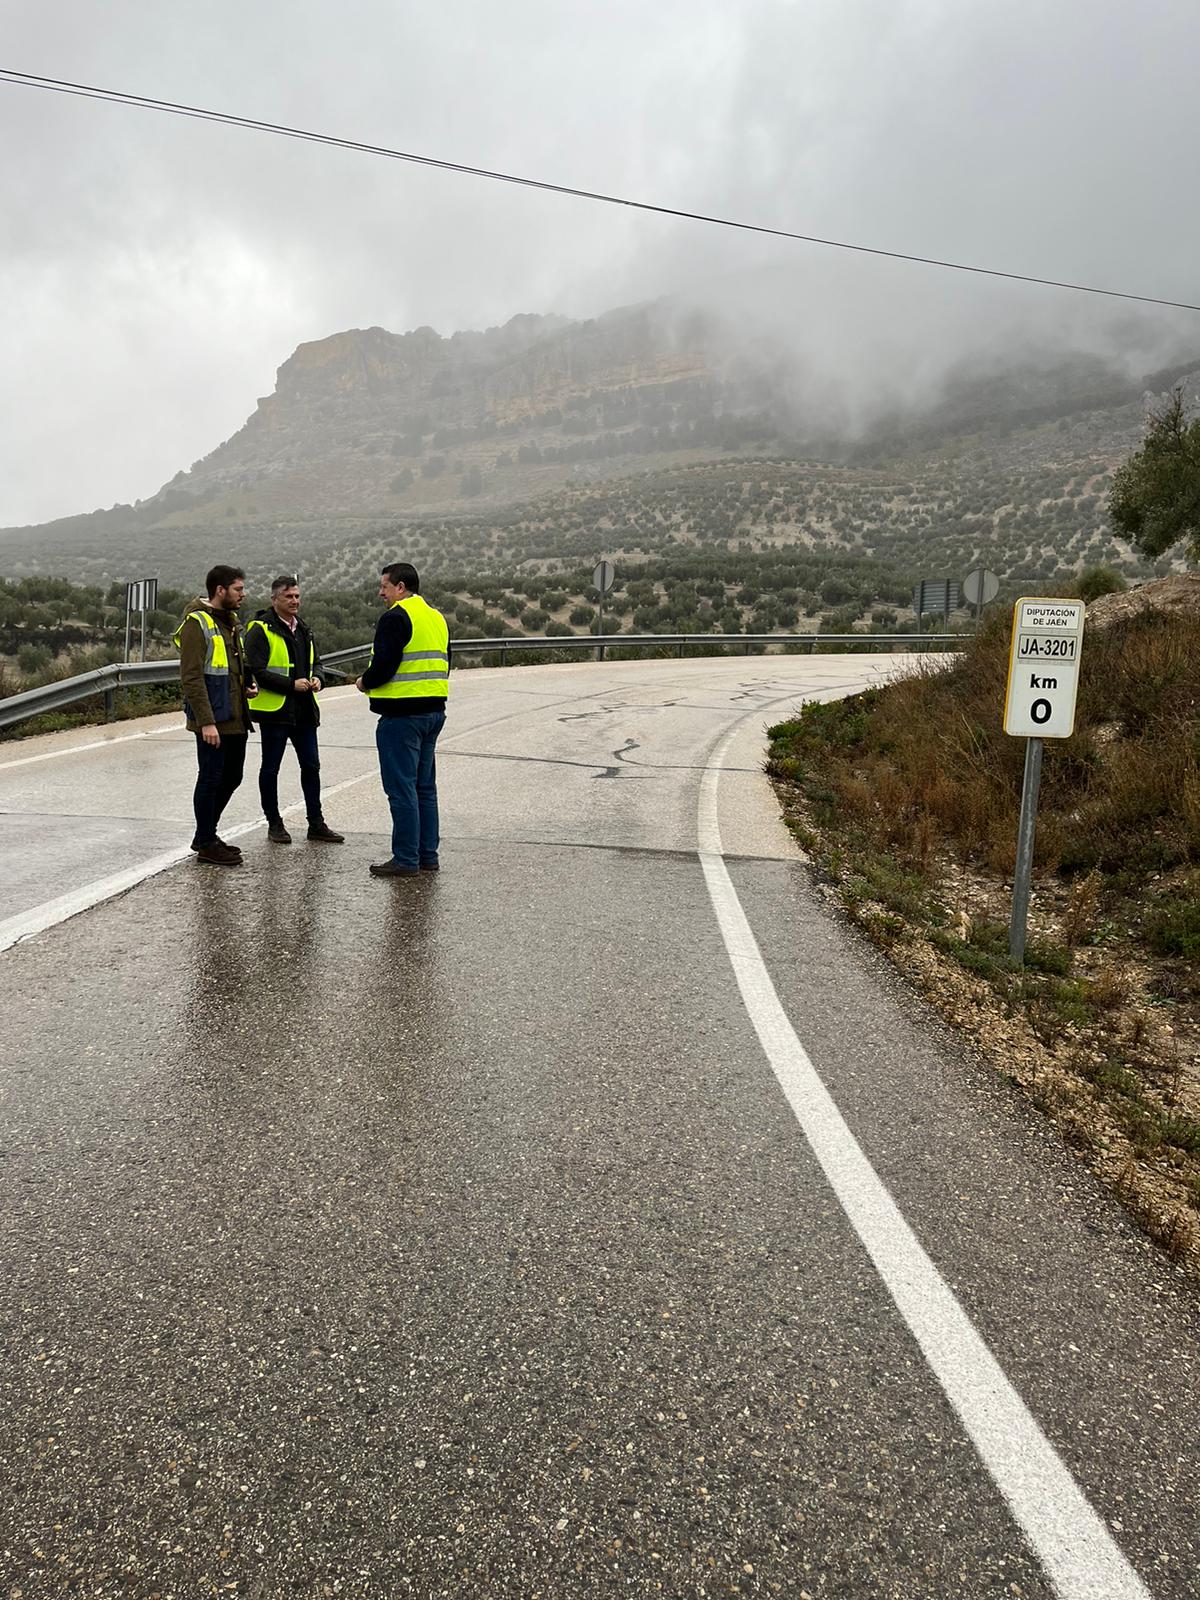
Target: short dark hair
{"type": "Point", "coordinates": [285, 580]}
{"type": "Point", "coordinates": [402, 572]}
{"type": "Point", "coordinates": [220, 577]}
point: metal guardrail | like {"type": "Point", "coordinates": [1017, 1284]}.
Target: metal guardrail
{"type": "Point", "coordinates": [794, 643]}
{"type": "Point", "coordinates": [133, 674]}
{"type": "Point", "coordinates": [104, 680]}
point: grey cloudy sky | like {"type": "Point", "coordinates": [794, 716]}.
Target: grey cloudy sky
{"type": "Point", "coordinates": [154, 272]}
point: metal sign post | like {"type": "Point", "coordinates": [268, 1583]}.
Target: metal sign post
{"type": "Point", "coordinates": [1023, 871]}
{"type": "Point", "coordinates": [603, 579]}
{"type": "Point", "coordinates": [1043, 681]}
{"type": "Point", "coordinates": [140, 595]}
{"type": "Point", "coordinates": [980, 588]}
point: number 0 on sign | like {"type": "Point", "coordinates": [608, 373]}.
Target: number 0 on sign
{"type": "Point", "coordinates": [1043, 669]}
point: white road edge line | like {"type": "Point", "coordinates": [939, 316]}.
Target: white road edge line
{"type": "Point", "coordinates": [77, 749]}
{"type": "Point", "coordinates": [51, 912]}
{"type": "Point", "coordinates": [1079, 1554]}
{"type": "Point", "coordinates": [26, 923]}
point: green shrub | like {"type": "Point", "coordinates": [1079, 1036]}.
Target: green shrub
{"type": "Point", "coordinates": [1042, 956]}
{"type": "Point", "coordinates": [1173, 927]}
{"type": "Point", "coordinates": [1095, 581]}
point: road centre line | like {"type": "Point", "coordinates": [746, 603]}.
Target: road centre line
{"type": "Point", "coordinates": [1080, 1556]}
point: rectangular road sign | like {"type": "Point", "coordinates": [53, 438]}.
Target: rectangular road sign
{"type": "Point", "coordinates": [1043, 669]}
{"type": "Point", "coordinates": [936, 594]}
{"type": "Point", "coordinates": [142, 595]}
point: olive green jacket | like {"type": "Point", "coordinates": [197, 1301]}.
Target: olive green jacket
{"type": "Point", "coordinates": [193, 650]}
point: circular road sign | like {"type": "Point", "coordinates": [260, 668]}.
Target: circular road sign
{"type": "Point", "coordinates": [980, 587]}
{"type": "Point", "coordinates": [604, 576]}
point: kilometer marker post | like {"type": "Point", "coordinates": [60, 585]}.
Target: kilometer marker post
{"type": "Point", "coordinates": [1039, 703]}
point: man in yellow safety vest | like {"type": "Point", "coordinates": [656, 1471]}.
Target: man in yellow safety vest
{"type": "Point", "coordinates": [282, 655]}
{"type": "Point", "coordinates": [216, 690]}
{"type": "Point", "coordinates": [407, 682]}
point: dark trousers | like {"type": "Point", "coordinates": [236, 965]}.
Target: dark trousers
{"type": "Point", "coordinates": [220, 772]}
{"type": "Point", "coordinates": [409, 773]}
{"type": "Point", "coordinates": [275, 738]}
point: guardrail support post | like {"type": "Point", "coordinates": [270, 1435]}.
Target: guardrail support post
{"type": "Point", "coordinates": [110, 704]}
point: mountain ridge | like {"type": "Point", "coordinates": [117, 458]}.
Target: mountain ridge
{"type": "Point", "coordinates": [366, 426]}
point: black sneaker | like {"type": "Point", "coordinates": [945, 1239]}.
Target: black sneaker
{"type": "Point", "coordinates": [430, 866]}
{"type": "Point", "coordinates": [392, 869]}
{"type": "Point", "coordinates": [322, 831]}
{"type": "Point", "coordinates": [278, 834]}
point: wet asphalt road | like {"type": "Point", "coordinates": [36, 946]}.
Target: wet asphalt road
{"type": "Point", "coordinates": [451, 1236]}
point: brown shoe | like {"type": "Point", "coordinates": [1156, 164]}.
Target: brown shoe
{"type": "Point", "coordinates": [220, 855]}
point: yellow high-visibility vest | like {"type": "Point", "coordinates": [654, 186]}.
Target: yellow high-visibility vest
{"type": "Point", "coordinates": [424, 670]}
{"type": "Point", "coordinates": [216, 664]}
{"type": "Point", "coordinates": [279, 660]}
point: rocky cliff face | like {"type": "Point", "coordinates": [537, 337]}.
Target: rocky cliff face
{"type": "Point", "coordinates": [368, 419]}
{"type": "Point", "coordinates": [368, 423]}
{"type": "Point", "coordinates": [370, 426]}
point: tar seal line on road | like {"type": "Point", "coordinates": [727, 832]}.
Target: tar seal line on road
{"type": "Point", "coordinates": [1070, 1539]}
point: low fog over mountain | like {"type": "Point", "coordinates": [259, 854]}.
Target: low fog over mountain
{"type": "Point", "coordinates": [157, 269]}
{"type": "Point", "coordinates": [369, 429]}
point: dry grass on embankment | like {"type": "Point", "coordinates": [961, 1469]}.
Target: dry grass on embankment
{"type": "Point", "coordinates": [908, 796]}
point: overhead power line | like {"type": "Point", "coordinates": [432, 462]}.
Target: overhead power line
{"type": "Point", "coordinates": [87, 91]}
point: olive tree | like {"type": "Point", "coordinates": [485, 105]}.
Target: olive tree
{"type": "Point", "coordinates": [1155, 496]}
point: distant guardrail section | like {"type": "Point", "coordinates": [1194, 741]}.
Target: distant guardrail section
{"type": "Point", "coordinates": [107, 681]}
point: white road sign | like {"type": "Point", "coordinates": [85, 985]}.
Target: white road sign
{"type": "Point", "coordinates": [604, 576]}
{"type": "Point", "coordinates": [1043, 669]}
{"type": "Point", "coordinates": [980, 587]}
{"type": "Point", "coordinates": [142, 595]}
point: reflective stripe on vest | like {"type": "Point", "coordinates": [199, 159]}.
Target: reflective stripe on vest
{"type": "Point", "coordinates": [424, 669]}
{"type": "Point", "coordinates": [216, 659]}
{"type": "Point", "coordinates": [279, 660]}
{"type": "Point", "coordinates": [216, 665]}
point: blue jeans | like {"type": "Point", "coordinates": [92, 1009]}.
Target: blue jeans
{"type": "Point", "coordinates": [275, 737]}
{"type": "Point", "coordinates": [409, 773]}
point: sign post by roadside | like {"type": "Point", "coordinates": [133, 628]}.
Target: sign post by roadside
{"type": "Point", "coordinates": [141, 595]}
{"type": "Point", "coordinates": [603, 579]}
{"type": "Point", "coordinates": [1039, 703]}
{"type": "Point", "coordinates": [979, 589]}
